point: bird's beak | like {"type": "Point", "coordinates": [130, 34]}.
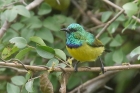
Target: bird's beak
{"type": "Point", "coordinates": [65, 29]}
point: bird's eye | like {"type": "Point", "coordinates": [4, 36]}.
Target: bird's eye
{"type": "Point", "coordinates": [73, 30]}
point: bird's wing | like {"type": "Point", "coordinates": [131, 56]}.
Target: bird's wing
{"type": "Point", "coordinates": [92, 41]}
{"type": "Point", "coordinates": [97, 43]}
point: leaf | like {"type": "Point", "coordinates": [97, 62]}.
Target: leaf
{"type": "Point", "coordinates": [60, 18]}
{"type": "Point", "coordinates": [29, 86]}
{"type": "Point", "coordinates": [45, 84]}
{"type": "Point", "coordinates": [139, 57]}
{"type": "Point", "coordinates": [108, 61]}
{"type": "Point", "coordinates": [118, 56]}
{"type": "Point", "coordinates": [45, 34]}
{"type": "Point", "coordinates": [130, 8]}
{"type": "Point", "coordinates": [10, 15]}
{"type": "Point", "coordinates": [33, 22]}
{"type": "Point", "coordinates": [51, 61]}
{"type": "Point", "coordinates": [8, 35]}
{"type": "Point", "coordinates": [45, 51]}
{"type": "Point", "coordinates": [44, 9]}
{"type": "Point", "coordinates": [112, 28]}
{"type": "Point", "coordinates": [22, 53]}
{"type": "Point", "coordinates": [12, 88]}
{"type": "Point", "coordinates": [62, 65]}
{"type": "Point", "coordinates": [105, 16]}
{"type": "Point", "coordinates": [51, 24]}
{"type": "Point", "coordinates": [20, 42]}
{"type": "Point", "coordinates": [7, 52]}
{"type": "Point", "coordinates": [117, 41]}
{"type": "Point", "coordinates": [17, 26]}
{"type": "Point", "coordinates": [28, 75]}
{"type": "Point", "coordinates": [37, 40]}
{"type": "Point", "coordinates": [27, 33]}
{"type": "Point", "coordinates": [105, 40]}
{"type": "Point", "coordinates": [135, 52]}
{"type": "Point", "coordinates": [18, 80]}
{"type": "Point", "coordinates": [60, 54]}
{"type": "Point", "coordinates": [21, 10]}
{"type": "Point", "coordinates": [121, 18]}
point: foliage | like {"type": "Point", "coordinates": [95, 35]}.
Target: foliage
{"type": "Point", "coordinates": [34, 38]}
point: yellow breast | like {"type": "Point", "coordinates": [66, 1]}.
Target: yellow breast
{"type": "Point", "coordinates": [85, 52]}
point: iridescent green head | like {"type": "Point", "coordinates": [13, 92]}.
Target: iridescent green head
{"type": "Point", "coordinates": [74, 33]}
{"type": "Point", "coordinates": [73, 28]}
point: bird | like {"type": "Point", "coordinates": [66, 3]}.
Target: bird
{"type": "Point", "coordinates": [82, 45]}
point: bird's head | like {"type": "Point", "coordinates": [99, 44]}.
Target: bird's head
{"type": "Point", "coordinates": [72, 28]}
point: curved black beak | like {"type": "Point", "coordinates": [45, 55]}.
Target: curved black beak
{"type": "Point", "coordinates": [65, 29]}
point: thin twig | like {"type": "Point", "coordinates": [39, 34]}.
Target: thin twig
{"type": "Point", "coordinates": [109, 22]}
{"type": "Point", "coordinates": [79, 8]}
{"type": "Point", "coordinates": [57, 69]}
{"type": "Point", "coordinates": [93, 19]}
{"type": "Point", "coordinates": [92, 85]}
{"type": "Point", "coordinates": [119, 8]}
{"type": "Point", "coordinates": [96, 27]}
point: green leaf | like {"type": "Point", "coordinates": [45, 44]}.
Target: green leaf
{"type": "Point", "coordinates": [22, 53]}
{"type": "Point", "coordinates": [60, 18]}
{"type": "Point", "coordinates": [32, 22]}
{"type": "Point", "coordinates": [27, 33]}
{"type": "Point", "coordinates": [7, 52]}
{"type": "Point", "coordinates": [118, 56]}
{"type": "Point", "coordinates": [10, 15]}
{"type": "Point", "coordinates": [8, 35]}
{"type": "Point", "coordinates": [21, 10]}
{"type": "Point", "coordinates": [17, 26]}
{"type": "Point", "coordinates": [139, 57]}
{"type": "Point", "coordinates": [62, 65]}
{"type": "Point", "coordinates": [29, 86]}
{"type": "Point", "coordinates": [121, 18]}
{"type": "Point", "coordinates": [135, 52]}
{"type": "Point", "coordinates": [12, 88]}
{"type": "Point", "coordinates": [117, 41]}
{"type": "Point", "coordinates": [105, 40]}
{"type": "Point", "coordinates": [130, 8]}
{"type": "Point", "coordinates": [108, 59]}
{"type": "Point", "coordinates": [37, 40]}
{"type": "Point", "coordinates": [18, 80]}
{"type": "Point", "coordinates": [45, 51]}
{"type": "Point", "coordinates": [112, 28]}
{"type": "Point", "coordinates": [73, 82]}
{"type": "Point", "coordinates": [105, 16]}
{"type": "Point", "coordinates": [51, 61]}
{"type": "Point", "coordinates": [59, 53]}
{"type": "Point", "coordinates": [44, 9]}
{"type": "Point", "coordinates": [20, 42]}
{"type": "Point", "coordinates": [28, 75]}
{"type": "Point", "coordinates": [51, 24]}
{"type": "Point", "coordinates": [45, 34]}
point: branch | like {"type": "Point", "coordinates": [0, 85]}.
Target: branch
{"type": "Point", "coordinates": [93, 19]}
{"type": "Point", "coordinates": [58, 69]}
{"type": "Point", "coordinates": [3, 29]}
{"type": "Point", "coordinates": [92, 85]}
{"type": "Point", "coordinates": [109, 22]}
{"type": "Point", "coordinates": [7, 24]}
{"type": "Point", "coordinates": [119, 8]}
{"type": "Point", "coordinates": [113, 19]}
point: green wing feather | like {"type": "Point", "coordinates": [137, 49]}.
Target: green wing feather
{"type": "Point", "coordinates": [97, 43]}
